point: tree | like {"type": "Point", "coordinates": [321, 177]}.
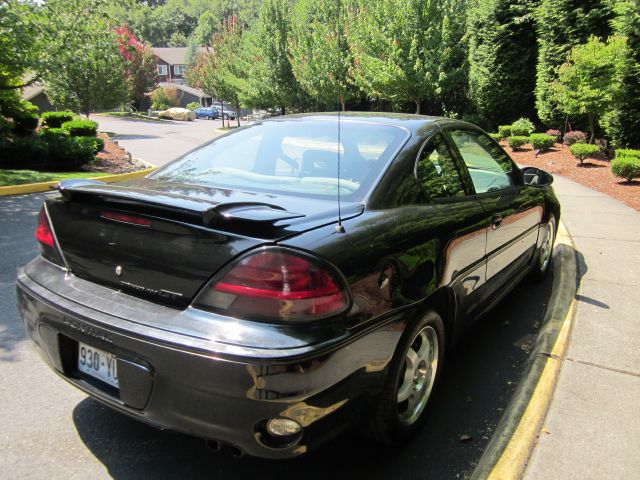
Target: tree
{"type": "Point", "coordinates": [320, 56]}
{"type": "Point", "coordinates": [271, 78]}
{"type": "Point", "coordinates": [586, 81]}
{"type": "Point", "coordinates": [217, 71]}
{"type": "Point", "coordinates": [622, 124]}
{"type": "Point", "coordinates": [502, 59]}
{"type": "Point", "coordinates": [140, 67]}
{"type": "Point", "coordinates": [21, 45]}
{"type": "Point", "coordinates": [87, 73]}
{"type": "Point", "coordinates": [394, 44]}
{"type": "Point", "coordinates": [561, 25]}
{"type": "Point", "coordinates": [453, 66]}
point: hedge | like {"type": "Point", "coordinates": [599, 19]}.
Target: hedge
{"type": "Point", "coordinates": [574, 136]}
{"type": "Point", "coordinates": [56, 119]}
{"type": "Point", "coordinates": [626, 167]}
{"type": "Point", "coordinates": [504, 131]}
{"type": "Point", "coordinates": [583, 150]}
{"type": "Point", "coordinates": [48, 152]}
{"type": "Point", "coordinates": [516, 141]}
{"type": "Point", "coordinates": [542, 141]}
{"type": "Point", "coordinates": [523, 127]}
{"type": "Point", "coordinates": [496, 136]}
{"type": "Point", "coordinates": [81, 128]}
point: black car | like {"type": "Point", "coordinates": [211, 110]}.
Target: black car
{"type": "Point", "coordinates": [285, 281]}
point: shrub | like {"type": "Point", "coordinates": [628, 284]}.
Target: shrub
{"type": "Point", "coordinates": [70, 153]}
{"type": "Point", "coordinates": [163, 98]}
{"type": "Point", "coordinates": [496, 136]}
{"type": "Point", "coordinates": [574, 136]}
{"type": "Point", "coordinates": [81, 128]}
{"type": "Point", "coordinates": [583, 150]}
{"type": "Point", "coordinates": [516, 141]}
{"type": "Point", "coordinates": [627, 152]}
{"type": "Point", "coordinates": [98, 144]}
{"type": "Point", "coordinates": [23, 153]}
{"type": "Point", "coordinates": [626, 167]}
{"type": "Point", "coordinates": [53, 132]}
{"type": "Point", "coordinates": [555, 133]}
{"type": "Point", "coordinates": [193, 105]}
{"type": "Point", "coordinates": [25, 122]}
{"type": "Point", "coordinates": [56, 119]}
{"type": "Point", "coordinates": [522, 127]}
{"type": "Point", "coordinates": [504, 131]}
{"type": "Point", "coordinates": [542, 141]}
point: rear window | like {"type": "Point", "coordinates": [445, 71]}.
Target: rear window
{"type": "Point", "coordinates": [292, 157]}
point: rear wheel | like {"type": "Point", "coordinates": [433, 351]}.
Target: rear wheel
{"type": "Point", "coordinates": [545, 252]}
{"type": "Point", "coordinates": [412, 377]}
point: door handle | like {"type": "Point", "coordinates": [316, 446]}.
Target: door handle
{"type": "Point", "coordinates": [496, 222]}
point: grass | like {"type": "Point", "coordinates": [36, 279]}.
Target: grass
{"type": "Point", "coordinates": [20, 177]}
{"type": "Point", "coordinates": [131, 116]}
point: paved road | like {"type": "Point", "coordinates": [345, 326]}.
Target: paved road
{"type": "Point", "coordinates": [141, 138]}
{"type": "Point", "coordinates": [51, 430]}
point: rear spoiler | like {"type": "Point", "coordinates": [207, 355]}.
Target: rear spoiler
{"type": "Point", "coordinates": [208, 213]}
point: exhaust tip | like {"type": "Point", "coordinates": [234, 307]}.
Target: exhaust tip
{"type": "Point", "coordinates": [236, 452]}
{"type": "Point", "coordinates": [213, 445]}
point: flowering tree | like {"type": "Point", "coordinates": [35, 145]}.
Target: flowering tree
{"type": "Point", "coordinates": [140, 66]}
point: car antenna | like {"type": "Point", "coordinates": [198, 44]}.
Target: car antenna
{"type": "Point", "coordinates": [339, 227]}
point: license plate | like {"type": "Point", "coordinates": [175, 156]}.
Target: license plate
{"type": "Point", "coordinates": [98, 363]}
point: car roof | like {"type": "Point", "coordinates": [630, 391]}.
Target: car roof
{"type": "Point", "coordinates": [411, 122]}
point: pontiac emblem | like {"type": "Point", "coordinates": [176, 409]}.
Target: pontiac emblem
{"type": "Point", "coordinates": [118, 270]}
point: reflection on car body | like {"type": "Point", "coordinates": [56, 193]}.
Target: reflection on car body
{"type": "Point", "coordinates": [281, 330]}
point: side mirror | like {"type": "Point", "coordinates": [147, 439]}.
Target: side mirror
{"type": "Point", "coordinates": [536, 177]}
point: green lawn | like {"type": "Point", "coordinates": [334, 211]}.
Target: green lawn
{"type": "Point", "coordinates": [20, 177]}
{"type": "Point", "coordinates": [131, 116]}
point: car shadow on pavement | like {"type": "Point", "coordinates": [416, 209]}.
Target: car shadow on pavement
{"type": "Point", "coordinates": [481, 375]}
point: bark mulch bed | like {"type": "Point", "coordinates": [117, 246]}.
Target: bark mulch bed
{"type": "Point", "coordinates": [595, 173]}
{"type": "Point", "coordinates": [113, 159]}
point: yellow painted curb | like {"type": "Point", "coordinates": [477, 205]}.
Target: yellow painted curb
{"type": "Point", "coordinates": [514, 458]}
{"type": "Point", "coordinates": [46, 186]}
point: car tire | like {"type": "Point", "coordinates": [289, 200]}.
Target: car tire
{"type": "Point", "coordinates": [411, 380]}
{"type": "Point", "coordinates": [544, 255]}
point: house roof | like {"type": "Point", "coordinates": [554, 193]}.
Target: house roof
{"type": "Point", "coordinates": [32, 91]}
{"type": "Point", "coordinates": [185, 88]}
{"type": "Point", "coordinates": [173, 56]}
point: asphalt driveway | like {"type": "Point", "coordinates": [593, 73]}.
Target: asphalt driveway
{"type": "Point", "coordinates": [51, 430]}
{"type": "Point", "coordinates": [158, 142]}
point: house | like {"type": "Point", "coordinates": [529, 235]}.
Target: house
{"type": "Point", "coordinates": [188, 94]}
{"type": "Point", "coordinates": [171, 64]}
{"type": "Point", "coordinates": [37, 95]}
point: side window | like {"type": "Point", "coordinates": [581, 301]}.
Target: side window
{"type": "Point", "coordinates": [437, 171]}
{"type": "Point", "coordinates": [489, 167]}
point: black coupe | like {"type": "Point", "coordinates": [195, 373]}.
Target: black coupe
{"type": "Point", "coordinates": [284, 281]}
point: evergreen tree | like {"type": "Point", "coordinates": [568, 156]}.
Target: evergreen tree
{"type": "Point", "coordinates": [560, 26]}
{"type": "Point", "coordinates": [453, 68]}
{"type": "Point", "coordinates": [623, 123]}
{"type": "Point", "coordinates": [502, 59]}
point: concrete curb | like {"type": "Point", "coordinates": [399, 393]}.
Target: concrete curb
{"type": "Point", "coordinates": [46, 186]}
{"type": "Point", "coordinates": [511, 445]}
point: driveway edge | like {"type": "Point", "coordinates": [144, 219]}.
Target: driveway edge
{"type": "Point", "coordinates": [511, 445]}
{"type": "Point", "coordinates": [46, 186]}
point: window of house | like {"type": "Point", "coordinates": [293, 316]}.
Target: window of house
{"type": "Point", "coordinates": [162, 69]}
{"type": "Point", "coordinates": [178, 69]}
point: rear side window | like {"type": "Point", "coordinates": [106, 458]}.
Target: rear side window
{"type": "Point", "coordinates": [489, 167]}
{"type": "Point", "coordinates": [436, 170]}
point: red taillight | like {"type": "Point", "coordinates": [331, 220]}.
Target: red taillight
{"type": "Point", "coordinates": [44, 235]}
{"type": "Point", "coordinates": [277, 284]}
